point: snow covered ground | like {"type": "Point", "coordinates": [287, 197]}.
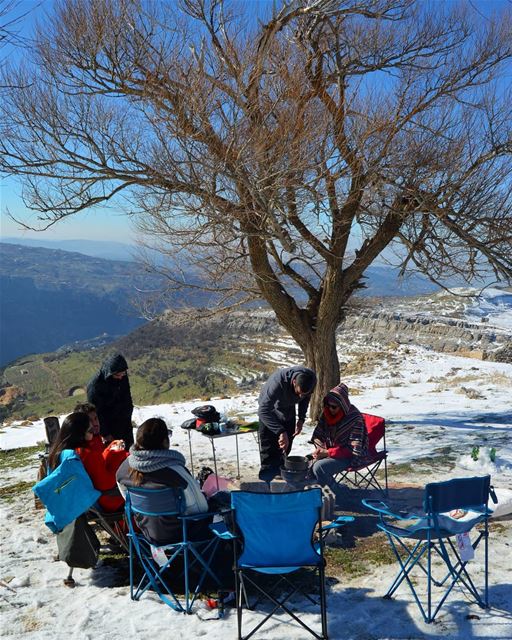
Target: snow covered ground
{"type": "Point", "coordinates": [494, 306]}
{"type": "Point", "coordinates": [438, 408]}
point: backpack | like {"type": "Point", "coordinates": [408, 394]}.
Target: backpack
{"type": "Point", "coordinates": [66, 492]}
{"type": "Point", "coordinates": [189, 424]}
{"type": "Point", "coordinates": [207, 413]}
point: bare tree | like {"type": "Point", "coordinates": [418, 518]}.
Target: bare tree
{"type": "Point", "coordinates": [12, 14]}
{"type": "Point", "coordinates": [279, 154]}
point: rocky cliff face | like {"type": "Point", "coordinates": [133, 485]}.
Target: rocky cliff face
{"type": "Point", "coordinates": [381, 323]}
{"type": "Point", "coordinates": [441, 334]}
{"type": "Point", "coordinates": [467, 324]}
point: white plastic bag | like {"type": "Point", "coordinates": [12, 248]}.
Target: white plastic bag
{"type": "Point", "coordinates": [465, 547]}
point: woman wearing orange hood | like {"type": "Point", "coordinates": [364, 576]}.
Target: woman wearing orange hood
{"type": "Point", "coordinates": [339, 437]}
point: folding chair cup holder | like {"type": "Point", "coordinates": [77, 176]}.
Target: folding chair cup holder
{"type": "Point", "coordinates": [176, 561]}
{"type": "Point", "coordinates": [276, 533]}
{"type": "Point", "coordinates": [424, 541]}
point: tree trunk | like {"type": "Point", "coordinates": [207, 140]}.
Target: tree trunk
{"type": "Point", "coordinates": [321, 356]}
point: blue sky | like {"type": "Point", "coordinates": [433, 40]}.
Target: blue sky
{"type": "Point", "coordinates": [110, 224]}
{"type": "Point", "coordinates": [96, 224]}
{"type": "Point", "coordinates": [102, 223]}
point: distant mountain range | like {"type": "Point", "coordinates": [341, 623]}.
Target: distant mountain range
{"type": "Point", "coordinates": [52, 297]}
{"type": "Point", "coordinates": [94, 248]}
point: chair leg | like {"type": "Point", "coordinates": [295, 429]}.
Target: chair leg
{"type": "Point", "coordinates": [323, 601]}
{"type": "Point", "coordinates": [457, 573]}
{"type": "Point", "coordinates": [386, 492]}
{"type": "Point", "coordinates": [486, 563]}
{"type": "Point", "coordinates": [185, 584]}
{"type": "Point", "coordinates": [130, 556]}
{"type": "Point", "coordinates": [429, 582]}
{"type": "Point", "coordinates": [239, 586]}
{"type": "Point", "coordinates": [413, 558]}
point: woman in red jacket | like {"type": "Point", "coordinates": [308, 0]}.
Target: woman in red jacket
{"type": "Point", "coordinates": [340, 437]}
{"type": "Point", "coordinates": [76, 433]}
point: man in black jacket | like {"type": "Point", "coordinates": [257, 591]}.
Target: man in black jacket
{"type": "Point", "coordinates": [109, 391]}
{"type": "Point", "coordinates": [276, 412]}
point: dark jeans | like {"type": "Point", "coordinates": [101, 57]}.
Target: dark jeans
{"type": "Point", "coordinates": [271, 455]}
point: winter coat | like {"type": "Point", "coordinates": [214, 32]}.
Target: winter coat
{"type": "Point", "coordinates": [344, 435]}
{"type": "Point", "coordinates": [112, 399]}
{"type": "Point", "coordinates": [168, 529]}
{"type": "Point", "coordinates": [276, 404]}
{"type": "Point", "coordinates": [102, 467]}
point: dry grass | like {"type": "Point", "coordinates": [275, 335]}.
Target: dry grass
{"type": "Point", "coordinates": [472, 394]}
{"type": "Point", "coordinates": [365, 363]}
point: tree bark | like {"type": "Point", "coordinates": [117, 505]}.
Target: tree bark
{"type": "Point", "coordinates": [320, 353]}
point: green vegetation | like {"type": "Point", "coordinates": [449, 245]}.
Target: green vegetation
{"type": "Point", "coordinates": [370, 553]}
{"type": "Point", "coordinates": [17, 458]}
{"type": "Point", "coordinates": [166, 364]}
{"type": "Point", "coordinates": [10, 491]}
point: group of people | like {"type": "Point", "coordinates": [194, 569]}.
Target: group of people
{"type": "Point", "coordinates": [340, 436]}
{"type": "Point", "coordinates": [100, 432]}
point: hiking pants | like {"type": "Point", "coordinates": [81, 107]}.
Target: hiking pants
{"type": "Point", "coordinates": [271, 456]}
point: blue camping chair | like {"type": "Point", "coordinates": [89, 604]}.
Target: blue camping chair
{"type": "Point", "coordinates": [176, 561]}
{"type": "Point", "coordinates": [276, 531]}
{"type": "Point", "coordinates": [416, 539]}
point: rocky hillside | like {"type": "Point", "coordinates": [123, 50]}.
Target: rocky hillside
{"type": "Point", "coordinates": [439, 322]}
{"type": "Point", "coordinates": [427, 322]}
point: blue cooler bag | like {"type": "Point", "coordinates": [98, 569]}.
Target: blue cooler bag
{"type": "Point", "coordinates": [66, 492]}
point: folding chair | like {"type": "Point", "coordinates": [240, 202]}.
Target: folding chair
{"type": "Point", "coordinates": [277, 532]}
{"type": "Point", "coordinates": [432, 537]}
{"type": "Point", "coordinates": [113, 523]}
{"type": "Point", "coordinates": [160, 562]}
{"type": "Point", "coordinates": [51, 428]}
{"type": "Point", "coordinates": [364, 475]}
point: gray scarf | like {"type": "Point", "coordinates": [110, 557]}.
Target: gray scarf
{"type": "Point", "coordinates": [151, 460]}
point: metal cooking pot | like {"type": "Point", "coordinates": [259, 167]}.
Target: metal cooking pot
{"type": "Point", "coordinates": [296, 463]}
{"type": "Point", "coordinates": [293, 477]}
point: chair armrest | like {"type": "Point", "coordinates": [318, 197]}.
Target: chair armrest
{"type": "Point", "coordinates": [338, 523]}
{"type": "Point", "coordinates": [383, 509]}
{"type": "Point", "coordinates": [221, 531]}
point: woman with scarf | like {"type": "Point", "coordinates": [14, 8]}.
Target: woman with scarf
{"type": "Point", "coordinates": [151, 464]}
{"type": "Point", "coordinates": [340, 437]}
{"type": "Point", "coordinates": [101, 464]}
